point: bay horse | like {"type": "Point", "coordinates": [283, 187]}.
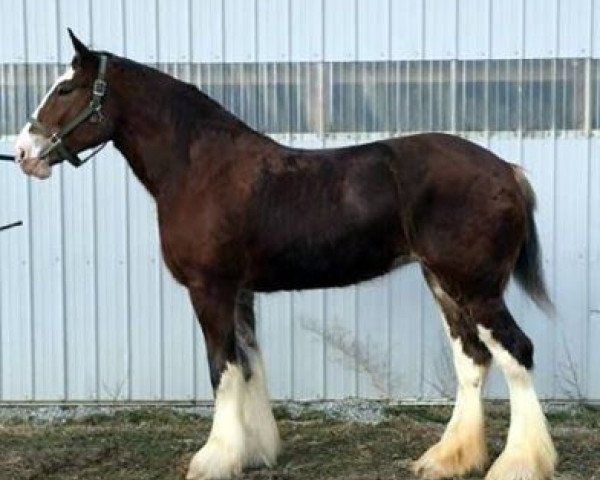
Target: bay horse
{"type": "Point", "coordinates": [240, 213]}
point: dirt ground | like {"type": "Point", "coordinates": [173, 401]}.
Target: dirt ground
{"type": "Point", "coordinates": [157, 443]}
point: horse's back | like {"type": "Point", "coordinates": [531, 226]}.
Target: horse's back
{"type": "Point", "coordinates": [445, 156]}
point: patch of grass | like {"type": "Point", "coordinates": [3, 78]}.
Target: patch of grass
{"type": "Point", "coordinates": [112, 450]}
{"type": "Point", "coordinates": [163, 416]}
{"type": "Point", "coordinates": [157, 443]}
{"type": "Point", "coordinates": [577, 415]}
{"type": "Point", "coordinates": [301, 414]}
{"type": "Point", "coordinates": [435, 414]}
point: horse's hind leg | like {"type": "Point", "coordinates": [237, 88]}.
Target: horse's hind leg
{"type": "Point", "coordinates": [529, 453]}
{"type": "Point", "coordinates": [462, 448]}
{"type": "Point", "coordinates": [243, 432]}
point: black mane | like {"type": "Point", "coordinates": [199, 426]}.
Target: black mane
{"type": "Point", "coordinates": [183, 102]}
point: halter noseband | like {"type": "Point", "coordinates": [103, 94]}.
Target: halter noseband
{"type": "Point", "coordinates": [94, 108]}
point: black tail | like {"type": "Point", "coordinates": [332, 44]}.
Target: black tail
{"type": "Point", "coordinates": [528, 269]}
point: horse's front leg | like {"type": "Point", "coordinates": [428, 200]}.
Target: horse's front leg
{"type": "Point", "coordinates": [243, 431]}
{"type": "Point", "coordinates": [262, 436]}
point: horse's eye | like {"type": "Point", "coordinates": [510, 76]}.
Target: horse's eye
{"type": "Point", "coordinates": [65, 89]}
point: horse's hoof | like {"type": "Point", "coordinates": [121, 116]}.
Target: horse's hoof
{"type": "Point", "coordinates": [522, 465]}
{"type": "Point", "coordinates": [450, 458]}
{"type": "Point", "coordinates": [215, 461]}
{"type": "Point", "coordinates": [262, 451]}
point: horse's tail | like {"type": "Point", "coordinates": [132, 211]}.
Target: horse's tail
{"type": "Point", "coordinates": [528, 270]}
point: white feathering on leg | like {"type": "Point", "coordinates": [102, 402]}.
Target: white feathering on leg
{"type": "Point", "coordinates": [224, 452]}
{"type": "Point", "coordinates": [462, 447]}
{"type": "Point", "coordinates": [262, 436]}
{"type": "Point", "coordinates": [244, 432]}
{"type": "Point", "coordinates": [529, 453]}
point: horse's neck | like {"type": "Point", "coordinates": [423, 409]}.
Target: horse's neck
{"type": "Point", "coordinates": [150, 168]}
{"type": "Point", "coordinates": [157, 145]}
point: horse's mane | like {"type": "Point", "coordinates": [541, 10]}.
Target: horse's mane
{"type": "Point", "coordinates": [185, 103]}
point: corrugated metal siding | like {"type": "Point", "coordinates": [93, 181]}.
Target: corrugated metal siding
{"type": "Point", "coordinates": [88, 310]}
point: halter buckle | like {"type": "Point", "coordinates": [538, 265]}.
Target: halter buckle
{"type": "Point", "coordinates": [99, 89]}
{"type": "Point", "coordinates": [54, 138]}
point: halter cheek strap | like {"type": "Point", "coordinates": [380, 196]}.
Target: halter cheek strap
{"type": "Point", "coordinates": [93, 109]}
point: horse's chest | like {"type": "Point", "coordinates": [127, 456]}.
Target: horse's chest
{"type": "Point", "coordinates": [194, 239]}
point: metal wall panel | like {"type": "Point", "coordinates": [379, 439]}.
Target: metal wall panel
{"type": "Point", "coordinates": [340, 33]}
{"type": "Point", "coordinates": [16, 327]}
{"type": "Point", "coordinates": [594, 271]}
{"type": "Point", "coordinates": [541, 37]}
{"type": "Point", "coordinates": [596, 28]}
{"type": "Point", "coordinates": [174, 31]}
{"type": "Point", "coordinates": [275, 329]}
{"type": "Point", "coordinates": [12, 37]}
{"type": "Point", "coordinates": [177, 341]}
{"type": "Point", "coordinates": [89, 312]}
{"type": "Point", "coordinates": [406, 332]}
{"type": "Point", "coordinates": [78, 274]}
{"type": "Point", "coordinates": [564, 29]}
{"type": "Point", "coordinates": [341, 365]}
{"type": "Point", "coordinates": [47, 288]}
{"type": "Point", "coordinates": [240, 30]}
{"type": "Point", "coordinates": [594, 223]}
{"type": "Point", "coordinates": [73, 14]}
{"type": "Point", "coordinates": [42, 19]}
{"type": "Point", "coordinates": [571, 265]}
{"type": "Point", "coordinates": [308, 325]}
{"type": "Point", "coordinates": [207, 31]}
{"type": "Point", "coordinates": [507, 36]}
{"type": "Point", "coordinates": [372, 305]}
{"type": "Point", "coordinates": [108, 24]}
{"type": "Point", "coordinates": [440, 28]}
{"type": "Point", "coordinates": [306, 25]}
{"type": "Point", "coordinates": [112, 276]}
{"type": "Point", "coordinates": [473, 29]}
{"type": "Point", "coordinates": [407, 19]}
{"type": "Point", "coordinates": [574, 28]}
{"type": "Point", "coordinates": [273, 31]}
{"type": "Point", "coordinates": [373, 29]}
{"type": "Point", "coordinates": [141, 33]}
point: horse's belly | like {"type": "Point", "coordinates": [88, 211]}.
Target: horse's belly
{"type": "Point", "coordinates": [305, 264]}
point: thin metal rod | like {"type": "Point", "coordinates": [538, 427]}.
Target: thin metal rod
{"type": "Point", "coordinates": [11, 225]}
{"type": "Point", "coordinates": [7, 158]}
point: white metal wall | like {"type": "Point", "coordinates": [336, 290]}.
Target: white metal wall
{"type": "Point", "coordinates": [87, 309]}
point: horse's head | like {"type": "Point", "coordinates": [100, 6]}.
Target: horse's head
{"type": "Point", "coordinates": [76, 114]}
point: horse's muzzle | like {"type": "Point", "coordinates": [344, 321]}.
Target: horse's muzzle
{"type": "Point", "coordinates": [37, 167]}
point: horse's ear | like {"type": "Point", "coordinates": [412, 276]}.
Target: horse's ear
{"type": "Point", "coordinates": [78, 45]}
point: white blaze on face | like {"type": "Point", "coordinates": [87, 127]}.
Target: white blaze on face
{"type": "Point", "coordinates": [29, 145]}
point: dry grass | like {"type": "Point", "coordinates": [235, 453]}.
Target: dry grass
{"type": "Point", "coordinates": [158, 443]}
